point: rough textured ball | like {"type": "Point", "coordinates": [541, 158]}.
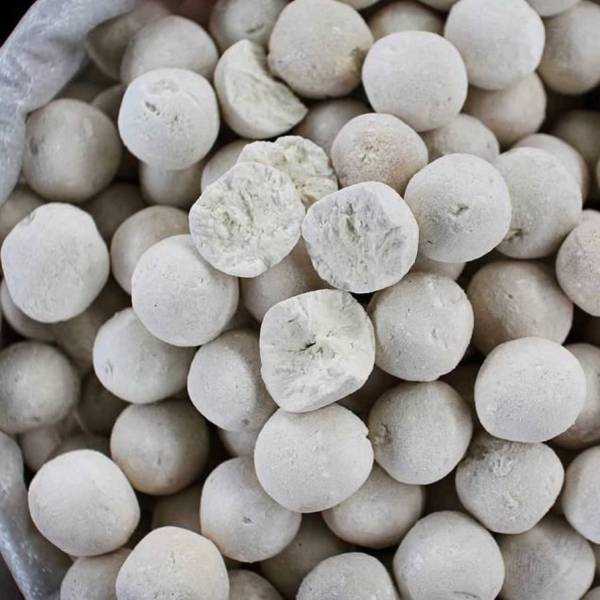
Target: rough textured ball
{"type": "Point", "coordinates": [38, 386]}
{"type": "Point", "coordinates": [448, 550]}
{"type": "Point", "coordinates": [352, 575]}
{"type": "Point", "coordinates": [253, 103]}
{"type": "Point", "coordinates": [136, 366]}
{"type": "Point", "coordinates": [550, 8]}
{"type": "Point", "coordinates": [379, 514]}
{"type": "Point", "coordinates": [171, 188]}
{"type": "Point", "coordinates": [513, 299]}
{"type": "Point", "coordinates": [529, 390]}
{"type": "Point", "coordinates": [247, 585]}
{"type": "Point", "coordinates": [138, 233]}
{"type": "Point", "coordinates": [224, 382]}
{"type": "Point", "coordinates": [21, 202]}
{"type": "Point", "coordinates": [462, 206]}
{"type": "Point", "coordinates": [511, 113]}
{"type": "Point", "coordinates": [98, 409]}
{"type": "Point", "coordinates": [196, 568]}
{"type": "Point", "coordinates": [170, 42]}
{"type": "Point", "coordinates": [377, 147]}
{"type": "Point", "coordinates": [362, 238]}
{"type": "Point", "coordinates": [508, 486]}
{"type": "Point", "coordinates": [161, 447]}
{"type": "Point", "coordinates": [315, 349]}
{"type": "Point", "coordinates": [318, 46]}
{"type": "Point", "coordinates": [423, 326]}
{"type": "Point", "coordinates": [581, 129]}
{"type": "Point", "coordinates": [220, 162]}
{"type": "Point", "coordinates": [240, 518]}
{"type": "Point", "coordinates": [55, 263]}
{"type": "Point", "coordinates": [501, 43]}
{"type": "Point", "coordinates": [248, 220]}
{"type": "Point", "coordinates": [420, 431]}
{"type": "Point", "coordinates": [169, 118]}
{"type": "Point", "coordinates": [404, 16]}
{"type": "Point", "coordinates": [83, 504]}
{"type": "Point", "coordinates": [306, 470]}
{"type": "Point", "coordinates": [571, 61]}
{"type": "Point", "coordinates": [548, 562]}
{"type": "Point", "coordinates": [546, 202]}
{"type": "Point", "coordinates": [88, 156]}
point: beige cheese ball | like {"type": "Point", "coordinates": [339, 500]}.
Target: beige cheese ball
{"type": "Point", "coordinates": [423, 326]}
{"type": "Point", "coordinates": [325, 118]}
{"type": "Point", "coordinates": [224, 382]}
{"type": "Point", "coordinates": [161, 447]}
{"type": "Point", "coordinates": [83, 504]}
{"type": "Point", "coordinates": [21, 202]}
{"type": "Point", "coordinates": [238, 443]}
{"type": "Point", "coordinates": [235, 20]}
{"type": "Point", "coordinates": [55, 263]}
{"type": "Point", "coordinates": [463, 135]}
{"type": "Point", "coordinates": [510, 113]}
{"type": "Point", "coordinates": [420, 431]}
{"type": "Point", "coordinates": [512, 299]}
{"type": "Point", "coordinates": [377, 147]}
{"type": "Point", "coordinates": [379, 514]}
{"type": "Point", "coordinates": [318, 46]}
{"type": "Point", "coordinates": [404, 15]}
{"type": "Point", "coordinates": [529, 390]}
{"type": "Point", "coordinates": [171, 562]}
{"type": "Point", "coordinates": [72, 151]}
{"type": "Point", "coordinates": [548, 562]}
{"type": "Point", "coordinates": [353, 575]}
{"type": "Point", "coordinates": [248, 220]}
{"type": "Point", "coordinates": [98, 409]}
{"type": "Point", "coordinates": [571, 61]}
{"type": "Point", "coordinates": [508, 486]}
{"type": "Point", "coordinates": [551, 8]}
{"type": "Point", "coordinates": [138, 233]}
{"type": "Point", "coordinates": [38, 386]}
{"type": "Point", "coordinates": [94, 577]}
{"type": "Point", "coordinates": [312, 461]}
{"type": "Point", "coordinates": [306, 164]}
{"type": "Point", "coordinates": [178, 510]}
{"type": "Point", "coordinates": [416, 76]}
{"type": "Point", "coordinates": [315, 349]}
{"type": "Point", "coordinates": [448, 550]}
{"type": "Point", "coordinates": [450, 270]}
{"type": "Point", "coordinates": [581, 129]}
{"type": "Point", "coordinates": [240, 518]}
{"type": "Point", "coordinates": [169, 118]}
{"type": "Point", "coordinates": [500, 42]}
{"type": "Point", "coordinates": [173, 42]}
{"type": "Point", "coordinates": [253, 103]}
{"type": "Point", "coordinates": [577, 266]}
{"type": "Point", "coordinates": [362, 238]}
{"type": "Point", "coordinates": [462, 206]}
{"type": "Point", "coordinates": [247, 585]}
{"type": "Point", "coordinates": [136, 366]}
{"type": "Point", "coordinates": [178, 296]}
{"type": "Point", "coordinates": [546, 202]}
{"type": "Point", "coordinates": [171, 188]}
{"type": "Point", "coordinates": [220, 162]}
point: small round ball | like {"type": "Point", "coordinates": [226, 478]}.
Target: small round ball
{"type": "Point", "coordinates": [377, 147]}
{"type": "Point", "coordinates": [240, 518]}
{"type": "Point", "coordinates": [318, 46]}
{"type": "Point", "coordinates": [529, 390]}
{"type": "Point", "coordinates": [136, 366]}
{"type": "Point", "coordinates": [581, 129]}
{"type": "Point", "coordinates": [307, 471]}
{"type": "Point", "coordinates": [171, 562]}
{"type": "Point", "coordinates": [21, 202]}
{"type": "Point", "coordinates": [423, 326]}
{"type": "Point", "coordinates": [220, 162]}
{"type": "Point", "coordinates": [83, 504]}
{"type": "Point", "coordinates": [178, 510]}
{"type": "Point", "coordinates": [404, 16]}
{"type": "Point", "coordinates": [420, 431]}
{"type": "Point", "coordinates": [247, 585]}
{"type": "Point", "coordinates": [416, 76]}
{"type": "Point", "coordinates": [55, 263]}
{"type": "Point", "coordinates": [169, 118]}
{"type": "Point", "coordinates": [172, 188]}
{"type": "Point", "coordinates": [448, 550]}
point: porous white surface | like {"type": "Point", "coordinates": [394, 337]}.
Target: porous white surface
{"type": "Point", "coordinates": [405, 15]}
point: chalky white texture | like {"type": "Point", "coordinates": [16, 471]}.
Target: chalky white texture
{"type": "Point", "coordinates": [220, 162]}
{"type": "Point", "coordinates": [306, 164]}
{"type": "Point", "coordinates": [529, 390]}
{"type": "Point", "coordinates": [169, 118]}
{"type": "Point", "coordinates": [423, 326]}
{"type": "Point", "coordinates": [312, 461]}
{"type": "Point", "coordinates": [315, 349]}
{"type": "Point", "coordinates": [55, 263]}
{"type": "Point", "coordinates": [253, 103]}
{"type": "Point", "coordinates": [420, 431]}
{"type": "Point", "coordinates": [406, 15]}
{"type": "Point", "coordinates": [248, 220]}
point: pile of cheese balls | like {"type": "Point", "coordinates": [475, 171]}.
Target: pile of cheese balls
{"type": "Point", "coordinates": [304, 302]}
